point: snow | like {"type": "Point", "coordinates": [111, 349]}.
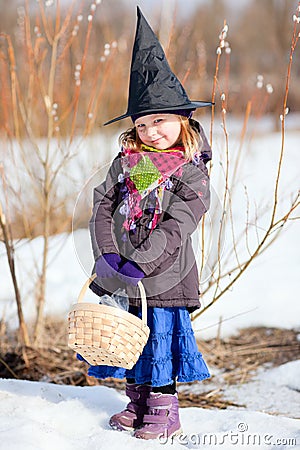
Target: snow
{"type": "Point", "coordinates": [41, 416]}
{"type": "Point", "coordinates": [271, 390]}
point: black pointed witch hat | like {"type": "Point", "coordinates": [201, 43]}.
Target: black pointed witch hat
{"type": "Point", "coordinates": [153, 86]}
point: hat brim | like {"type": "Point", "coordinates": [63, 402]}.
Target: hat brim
{"type": "Point", "coordinates": [192, 105]}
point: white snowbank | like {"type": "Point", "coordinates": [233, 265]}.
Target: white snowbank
{"type": "Point", "coordinates": [275, 391]}
{"type": "Point", "coordinates": [41, 416]}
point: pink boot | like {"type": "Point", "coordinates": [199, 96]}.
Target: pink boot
{"type": "Point", "coordinates": [162, 418]}
{"type": "Point", "coordinates": [132, 417]}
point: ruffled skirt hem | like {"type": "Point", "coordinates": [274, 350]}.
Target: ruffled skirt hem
{"type": "Point", "coordinates": [171, 352]}
{"type": "Point", "coordinates": [154, 374]}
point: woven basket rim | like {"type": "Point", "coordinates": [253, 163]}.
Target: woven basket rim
{"type": "Point", "coordinates": [117, 312]}
{"type": "Point", "coordinates": [139, 285]}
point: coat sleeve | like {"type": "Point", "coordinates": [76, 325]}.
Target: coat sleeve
{"type": "Point", "coordinates": [104, 205]}
{"type": "Point", "coordinates": [183, 211]}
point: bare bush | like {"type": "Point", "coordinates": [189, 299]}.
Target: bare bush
{"type": "Point", "coordinates": [245, 245]}
{"type": "Point", "coordinates": [42, 106]}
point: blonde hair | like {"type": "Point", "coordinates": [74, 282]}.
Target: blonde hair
{"type": "Point", "coordinates": [189, 138]}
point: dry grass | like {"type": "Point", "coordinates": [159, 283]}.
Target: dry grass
{"type": "Point", "coordinates": [238, 357]}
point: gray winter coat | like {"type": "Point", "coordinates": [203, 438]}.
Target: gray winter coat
{"type": "Point", "coordinates": [165, 255]}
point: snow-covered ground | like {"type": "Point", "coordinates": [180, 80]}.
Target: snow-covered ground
{"type": "Point", "coordinates": [271, 390]}
{"type": "Point", "coordinates": [40, 416]}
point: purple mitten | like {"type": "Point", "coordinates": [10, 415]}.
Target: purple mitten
{"type": "Point", "coordinates": [107, 265]}
{"type": "Point", "coordinates": [131, 273]}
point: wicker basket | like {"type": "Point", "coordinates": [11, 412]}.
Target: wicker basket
{"type": "Point", "coordinates": [107, 335]}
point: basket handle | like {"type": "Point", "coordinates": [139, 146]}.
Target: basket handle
{"type": "Point", "coordinates": [141, 288]}
{"type": "Point", "coordinates": [144, 302]}
{"type": "Point", "coordinates": [84, 288]}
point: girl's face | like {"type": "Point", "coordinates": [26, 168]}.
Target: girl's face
{"type": "Point", "coordinates": [160, 131]}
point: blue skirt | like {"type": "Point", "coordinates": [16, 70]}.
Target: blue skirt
{"type": "Point", "coordinates": [170, 354]}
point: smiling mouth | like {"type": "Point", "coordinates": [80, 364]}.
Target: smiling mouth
{"type": "Point", "coordinates": [156, 140]}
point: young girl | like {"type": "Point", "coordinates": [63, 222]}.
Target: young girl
{"type": "Point", "coordinates": [154, 196]}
